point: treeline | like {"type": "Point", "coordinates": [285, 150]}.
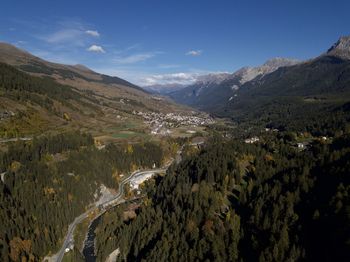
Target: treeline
{"type": "Point", "coordinates": [239, 202]}
{"type": "Point", "coordinates": [51, 180]}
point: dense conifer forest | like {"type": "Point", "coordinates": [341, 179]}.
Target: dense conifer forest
{"type": "Point", "coordinates": [51, 180]}
{"type": "Point", "coordinates": [270, 182]}
{"type": "Point", "coordinates": [236, 202]}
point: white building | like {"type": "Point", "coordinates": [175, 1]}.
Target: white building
{"type": "Point", "coordinates": [251, 140]}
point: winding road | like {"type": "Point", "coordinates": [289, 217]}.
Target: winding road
{"type": "Point", "coordinates": [15, 139]}
{"type": "Point", "coordinates": [111, 202]}
{"type": "Point", "coordinates": [102, 207]}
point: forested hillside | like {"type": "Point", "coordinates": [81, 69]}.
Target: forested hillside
{"type": "Point", "coordinates": [312, 97]}
{"type": "Point", "coordinates": [49, 181]}
{"type": "Point", "coordinates": [38, 104]}
{"type": "Point", "coordinates": [233, 201]}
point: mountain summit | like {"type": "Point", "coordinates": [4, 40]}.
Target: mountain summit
{"type": "Point", "coordinates": [210, 91]}
{"type": "Point", "coordinates": [249, 73]}
{"type": "Point", "coordinates": [341, 48]}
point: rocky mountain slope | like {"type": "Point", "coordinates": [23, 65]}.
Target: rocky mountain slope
{"type": "Point", "coordinates": [213, 90]}
{"type": "Point", "coordinates": [316, 92]}
{"type": "Point", "coordinates": [341, 48]}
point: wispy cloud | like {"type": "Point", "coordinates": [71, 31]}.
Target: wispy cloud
{"type": "Point", "coordinates": [194, 52]}
{"type": "Point", "coordinates": [65, 35]}
{"type": "Point", "coordinates": [20, 43]}
{"type": "Point", "coordinates": [168, 66]}
{"type": "Point", "coordinates": [96, 49]}
{"type": "Point", "coordinates": [69, 33]}
{"type": "Point", "coordinates": [134, 58]}
{"type": "Point", "coordinates": [92, 33]}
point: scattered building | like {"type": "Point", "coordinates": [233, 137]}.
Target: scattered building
{"type": "Point", "coordinates": [252, 140]}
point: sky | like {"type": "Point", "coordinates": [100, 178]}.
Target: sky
{"type": "Point", "coordinates": [152, 42]}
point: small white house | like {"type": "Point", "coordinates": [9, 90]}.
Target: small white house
{"type": "Point", "coordinates": [252, 140]}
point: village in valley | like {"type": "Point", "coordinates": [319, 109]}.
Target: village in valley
{"type": "Point", "coordinates": [161, 123]}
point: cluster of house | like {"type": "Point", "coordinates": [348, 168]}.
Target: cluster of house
{"type": "Point", "coordinates": [252, 140]}
{"type": "Point", "coordinates": [300, 145]}
{"type": "Point", "coordinates": [160, 123]}
{"type": "Point", "coordinates": [271, 129]}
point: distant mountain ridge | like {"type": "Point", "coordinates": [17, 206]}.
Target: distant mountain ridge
{"type": "Point", "coordinates": [311, 95]}
{"type": "Point", "coordinates": [282, 93]}
{"type": "Point", "coordinates": [38, 96]}
{"type": "Point", "coordinates": [29, 63]}
{"type": "Point", "coordinates": [211, 90]}
{"type": "Point", "coordinates": [163, 89]}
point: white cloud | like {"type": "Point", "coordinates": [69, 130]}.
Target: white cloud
{"type": "Point", "coordinates": [194, 52]}
{"type": "Point", "coordinates": [96, 48]}
{"type": "Point", "coordinates": [146, 78]}
{"type": "Point", "coordinates": [174, 78]}
{"type": "Point", "coordinates": [135, 58]}
{"type": "Point", "coordinates": [92, 33]}
{"type": "Point", "coordinates": [143, 78]}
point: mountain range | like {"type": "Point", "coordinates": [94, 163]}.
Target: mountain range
{"type": "Point", "coordinates": [242, 192]}
{"type": "Point", "coordinates": [274, 93]}
{"type": "Point", "coordinates": [50, 96]}
{"type": "Point", "coordinates": [164, 89]}
{"type": "Point", "coordinates": [280, 91]}
{"type": "Point", "coordinates": [210, 91]}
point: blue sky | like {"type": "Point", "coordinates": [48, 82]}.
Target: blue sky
{"type": "Point", "coordinates": [153, 41]}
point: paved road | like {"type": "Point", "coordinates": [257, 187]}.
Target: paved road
{"type": "Point", "coordinates": [111, 202]}
{"type": "Point", "coordinates": [114, 201]}
{"type": "Point", "coordinates": [15, 139]}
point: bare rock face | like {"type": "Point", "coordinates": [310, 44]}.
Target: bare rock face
{"type": "Point", "coordinates": [341, 48]}
{"type": "Point", "coordinates": [249, 73]}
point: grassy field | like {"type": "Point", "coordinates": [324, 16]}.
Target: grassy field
{"type": "Point", "coordinates": [185, 131]}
